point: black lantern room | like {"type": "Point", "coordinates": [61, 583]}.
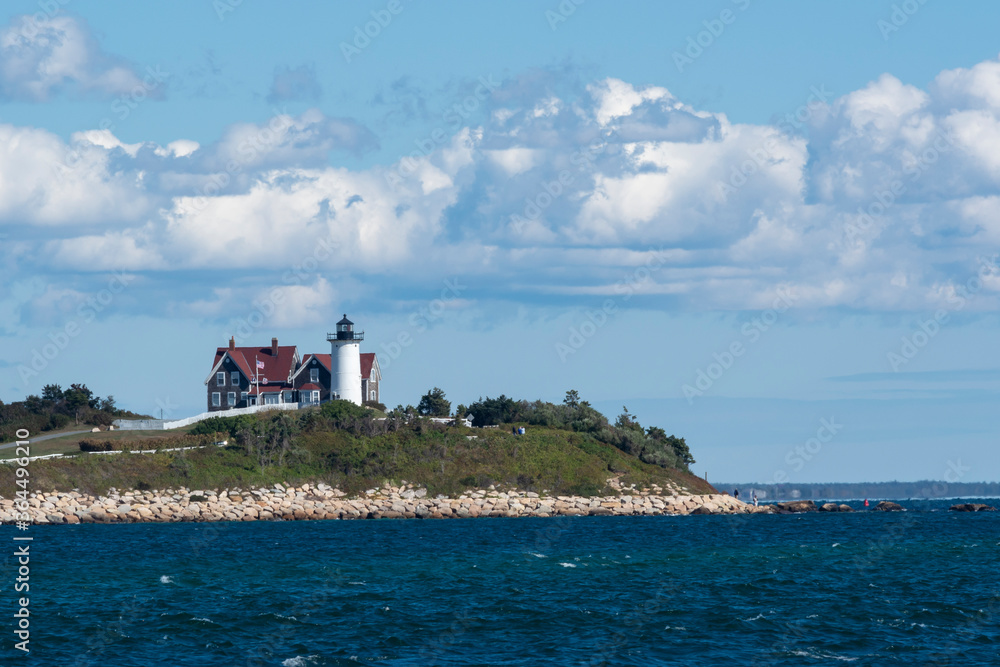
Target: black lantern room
{"type": "Point", "coordinates": [345, 331]}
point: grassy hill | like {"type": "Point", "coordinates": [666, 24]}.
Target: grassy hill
{"type": "Point", "coordinates": [344, 446]}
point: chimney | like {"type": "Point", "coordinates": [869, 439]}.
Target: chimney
{"type": "Point", "coordinates": [274, 347]}
{"type": "Point", "coordinates": [232, 344]}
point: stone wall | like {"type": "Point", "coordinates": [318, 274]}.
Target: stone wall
{"type": "Point", "coordinates": [321, 501]}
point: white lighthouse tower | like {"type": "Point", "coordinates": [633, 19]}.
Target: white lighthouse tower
{"type": "Point", "coordinates": [345, 361]}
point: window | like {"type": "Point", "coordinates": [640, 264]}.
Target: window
{"type": "Point", "coordinates": [216, 399]}
{"type": "Point", "coordinates": [220, 378]}
{"type": "Point", "coordinates": [243, 397]}
{"type": "Point", "coordinates": [373, 396]}
{"type": "Point", "coordinates": [235, 378]}
{"type": "Point", "coordinates": [231, 398]}
{"type": "Point", "coordinates": [314, 375]}
{"type": "Point", "coordinates": [270, 399]}
{"type": "Point", "coordinates": [315, 397]}
{"type": "Point", "coordinates": [288, 397]}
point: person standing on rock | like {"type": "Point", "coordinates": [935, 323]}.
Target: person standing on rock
{"type": "Point", "coordinates": [736, 494]}
{"type": "Point", "coordinates": [755, 499]}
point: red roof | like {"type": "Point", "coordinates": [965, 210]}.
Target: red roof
{"type": "Point", "coordinates": [276, 369]}
{"type": "Point", "coordinates": [367, 361]}
{"type": "Point", "coordinates": [323, 359]}
{"type": "Point", "coordinates": [266, 389]}
{"type": "Point", "coordinates": [310, 387]}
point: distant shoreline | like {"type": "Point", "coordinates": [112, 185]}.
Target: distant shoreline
{"type": "Point", "coordinates": [925, 489]}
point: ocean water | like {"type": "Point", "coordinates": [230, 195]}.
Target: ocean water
{"type": "Point", "coordinates": [921, 587]}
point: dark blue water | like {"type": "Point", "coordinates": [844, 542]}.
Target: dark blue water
{"type": "Point", "coordinates": [921, 587]}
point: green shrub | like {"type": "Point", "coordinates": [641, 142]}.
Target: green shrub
{"type": "Point", "coordinates": [231, 425]}
{"type": "Point", "coordinates": [191, 440]}
{"type": "Point", "coordinates": [57, 421]}
{"type": "Point", "coordinates": [342, 411]}
{"type": "Point", "coordinates": [586, 488]}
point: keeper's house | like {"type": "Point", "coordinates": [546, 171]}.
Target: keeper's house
{"type": "Point", "coordinates": [246, 376]}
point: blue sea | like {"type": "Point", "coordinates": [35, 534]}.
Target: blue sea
{"type": "Point", "coordinates": [913, 588]}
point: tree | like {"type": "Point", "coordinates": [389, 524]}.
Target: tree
{"type": "Point", "coordinates": [52, 392]}
{"type": "Point", "coordinates": [682, 451]}
{"type": "Point", "coordinates": [433, 404]}
{"type": "Point", "coordinates": [656, 433]}
{"type": "Point", "coordinates": [627, 421]}
{"type": "Point", "coordinates": [78, 397]}
{"type": "Point", "coordinates": [572, 399]}
{"type": "Point", "coordinates": [461, 411]}
{"type": "Point", "coordinates": [490, 411]}
{"type": "Point", "coordinates": [268, 439]}
{"type": "Point", "coordinates": [672, 443]}
{"type": "Point", "coordinates": [34, 404]}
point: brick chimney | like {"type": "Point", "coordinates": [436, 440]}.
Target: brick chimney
{"type": "Point", "coordinates": [232, 344]}
{"type": "Point", "coordinates": [274, 347]}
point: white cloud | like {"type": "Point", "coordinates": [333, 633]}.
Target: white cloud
{"type": "Point", "coordinates": [104, 139]}
{"type": "Point", "coordinates": [513, 160]}
{"type": "Point", "coordinates": [289, 141]}
{"type": "Point", "coordinates": [179, 148]}
{"type": "Point", "coordinates": [615, 98]}
{"type": "Point", "coordinates": [976, 87]}
{"type": "Point", "coordinates": [300, 305]}
{"type": "Point", "coordinates": [555, 198]}
{"type": "Point", "coordinates": [40, 57]}
{"type": "Point", "coordinates": [46, 181]}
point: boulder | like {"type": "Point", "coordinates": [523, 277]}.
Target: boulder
{"type": "Point", "coordinates": [888, 506]}
{"type": "Point", "coordinates": [972, 507]}
{"type": "Point", "coordinates": [834, 507]}
{"type": "Point", "coordinates": [702, 510]}
{"type": "Point", "coordinates": [600, 511]}
{"type": "Point", "coordinates": [797, 506]}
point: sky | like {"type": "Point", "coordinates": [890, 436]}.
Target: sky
{"type": "Point", "coordinates": [770, 228]}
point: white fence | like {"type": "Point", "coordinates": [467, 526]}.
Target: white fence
{"type": "Point", "coordinates": [163, 424]}
{"type": "Point", "coordinates": [117, 451]}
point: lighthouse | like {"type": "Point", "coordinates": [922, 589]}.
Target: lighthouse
{"type": "Point", "coordinates": [345, 361]}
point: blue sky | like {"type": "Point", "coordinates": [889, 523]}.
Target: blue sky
{"type": "Point", "coordinates": [743, 220]}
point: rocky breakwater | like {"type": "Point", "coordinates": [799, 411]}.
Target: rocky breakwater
{"type": "Point", "coordinates": [321, 501]}
{"type": "Point", "coordinates": [972, 507]}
